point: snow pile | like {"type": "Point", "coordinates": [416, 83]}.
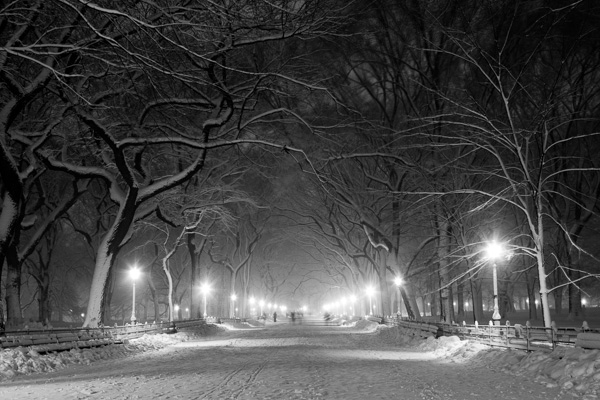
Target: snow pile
{"type": "Point", "coordinates": [365, 325]}
{"type": "Point", "coordinates": [230, 325]}
{"type": "Point", "coordinates": [23, 360]}
{"type": "Point", "coordinates": [453, 348]}
{"type": "Point", "coordinates": [575, 370]}
{"type": "Point", "coordinates": [254, 323]}
{"type": "Point", "coordinates": [396, 336]}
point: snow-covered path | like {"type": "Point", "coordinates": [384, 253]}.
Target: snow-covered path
{"type": "Point", "coordinates": [280, 362]}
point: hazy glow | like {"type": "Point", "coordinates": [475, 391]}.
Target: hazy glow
{"type": "Point", "coordinates": [494, 250]}
{"type": "Point", "coordinates": [205, 288]}
{"type": "Point", "coordinates": [134, 272]}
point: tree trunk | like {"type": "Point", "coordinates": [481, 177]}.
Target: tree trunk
{"type": "Point", "coordinates": [446, 301]}
{"type": "Point", "coordinates": [460, 300]}
{"type": "Point", "coordinates": [44, 308]}
{"type": "Point", "coordinates": [195, 295]}
{"type": "Point", "coordinates": [383, 284]}
{"type": "Point", "coordinates": [106, 304]}
{"type": "Point", "coordinates": [410, 303]}
{"type": "Point", "coordinates": [575, 308]}
{"type": "Point", "coordinates": [116, 236]}
{"type": "Point", "coordinates": [477, 297]}
{"type": "Point", "coordinates": [231, 293]}
{"type": "Point", "coordinates": [170, 291]}
{"type": "Point", "coordinates": [531, 296]}
{"type": "Point", "coordinates": [13, 291]}
{"type": "Point", "coordinates": [558, 299]}
{"type": "Point", "coordinates": [505, 299]}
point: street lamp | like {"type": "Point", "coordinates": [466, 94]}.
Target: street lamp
{"type": "Point", "coordinates": [494, 251]}
{"type": "Point", "coordinates": [251, 301]}
{"type": "Point", "coordinates": [261, 303]}
{"type": "Point", "coordinates": [398, 282]}
{"type": "Point", "coordinates": [233, 298]}
{"type": "Point", "coordinates": [370, 291]}
{"type": "Point", "coordinates": [205, 288]}
{"type": "Point", "coordinates": [134, 273]}
{"type": "Point", "coordinates": [176, 307]}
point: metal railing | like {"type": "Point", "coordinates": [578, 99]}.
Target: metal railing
{"type": "Point", "coordinates": [518, 336]}
{"type": "Point", "coordinates": [58, 339]}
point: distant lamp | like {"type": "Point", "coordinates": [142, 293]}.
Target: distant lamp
{"type": "Point", "coordinates": [134, 274]}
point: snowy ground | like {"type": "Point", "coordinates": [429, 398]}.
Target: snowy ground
{"type": "Point", "coordinates": [283, 361]}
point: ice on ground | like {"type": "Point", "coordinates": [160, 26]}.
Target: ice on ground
{"type": "Point", "coordinates": [574, 370]}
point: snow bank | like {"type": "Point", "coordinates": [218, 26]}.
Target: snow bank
{"type": "Point", "coordinates": [365, 325]}
{"type": "Point", "coordinates": [22, 360]}
{"type": "Point", "coordinates": [574, 370]}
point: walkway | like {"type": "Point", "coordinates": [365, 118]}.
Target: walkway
{"type": "Point", "coordinates": [280, 361]}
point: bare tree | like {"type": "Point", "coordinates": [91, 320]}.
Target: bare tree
{"type": "Point", "coordinates": [141, 93]}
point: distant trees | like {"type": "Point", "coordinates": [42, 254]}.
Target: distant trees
{"type": "Point", "coordinates": [469, 110]}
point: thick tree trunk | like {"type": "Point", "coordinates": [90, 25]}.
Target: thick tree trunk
{"type": "Point", "coordinates": [542, 277]}
{"type": "Point", "coordinates": [383, 284]}
{"type": "Point", "coordinates": [531, 297]}
{"type": "Point", "coordinates": [108, 293]}
{"type": "Point", "coordinates": [94, 316]}
{"type": "Point", "coordinates": [195, 295]}
{"type": "Point", "coordinates": [116, 236]}
{"type": "Point", "coordinates": [11, 213]}
{"type": "Point", "coordinates": [13, 290]}
{"type": "Point", "coordinates": [410, 303]}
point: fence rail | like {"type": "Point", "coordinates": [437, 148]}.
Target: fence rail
{"type": "Point", "coordinates": [59, 339]}
{"type": "Point", "coordinates": [516, 336]}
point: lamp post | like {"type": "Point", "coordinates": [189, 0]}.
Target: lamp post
{"type": "Point", "coordinates": [233, 298]}
{"type": "Point", "coordinates": [251, 301]}
{"type": "Point", "coordinates": [352, 301]}
{"type": "Point", "coordinates": [261, 303]}
{"type": "Point", "coordinates": [205, 288]}
{"type": "Point", "coordinates": [370, 290]}
{"type": "Point", "coordinates": [398, 282]}
{"type": "Point", "coordinates": [134, 273]}
{"type": "Point", "coordinates": [494, 251]}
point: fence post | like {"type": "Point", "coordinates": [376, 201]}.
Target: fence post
{"type": "Point", "coordinates": [527, 327]}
